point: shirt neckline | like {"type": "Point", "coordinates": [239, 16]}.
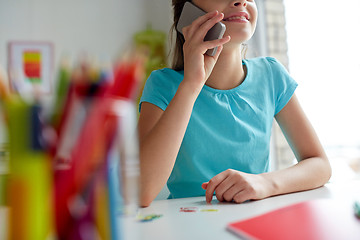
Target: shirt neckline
{"type": "Point", "coordinates": [237, 88]}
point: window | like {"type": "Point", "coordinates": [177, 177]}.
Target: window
{"type": "Point", "coordinates": [324, 58]}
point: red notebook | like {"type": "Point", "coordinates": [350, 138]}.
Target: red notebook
{"type": "Point", "coordinates": [323, 219]}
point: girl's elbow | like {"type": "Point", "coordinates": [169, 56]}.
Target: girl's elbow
{"type": "Point", "coordinates": [327, 170]}
{"type": "Point", "coordinates": [145, 203]}
{"type": "Point", "coordinates": [145, 200]}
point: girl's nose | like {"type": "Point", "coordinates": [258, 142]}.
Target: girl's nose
{"type": "Point", "coordinates": [240, 3]}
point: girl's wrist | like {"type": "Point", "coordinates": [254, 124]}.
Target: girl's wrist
{"type": "Point", "coordinates": [191, 86]}
{"type": "Point", "coordinates": [272, 188]}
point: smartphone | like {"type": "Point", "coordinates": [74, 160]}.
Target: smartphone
{"type": "Point", "coordinates": [190, 13]}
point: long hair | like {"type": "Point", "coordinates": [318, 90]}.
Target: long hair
{"type": "Point", "coordinates": [178, 55]}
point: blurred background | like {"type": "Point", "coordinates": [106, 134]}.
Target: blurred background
{"type": "Point", "coordinates": [317, 41]}
{"type": "Point", "coordinates": [323, 52]}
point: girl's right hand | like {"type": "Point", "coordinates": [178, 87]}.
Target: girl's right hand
{"type": "Point", "coordinates": [197, 65]}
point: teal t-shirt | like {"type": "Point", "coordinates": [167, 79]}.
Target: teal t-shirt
{"type": "Point", "coordinates": [228, 129]}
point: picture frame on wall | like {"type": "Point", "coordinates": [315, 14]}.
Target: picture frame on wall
{"type": "Point", "coordinates": [30, 66]}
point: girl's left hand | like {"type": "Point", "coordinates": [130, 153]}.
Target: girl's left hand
{"type": "Point", "coordinates": [232, 185]}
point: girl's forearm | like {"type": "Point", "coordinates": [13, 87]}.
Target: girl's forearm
{"type": "Point", "coordinates": [307, 174]}
{"type": "Point", "coordinates": [159, 148]}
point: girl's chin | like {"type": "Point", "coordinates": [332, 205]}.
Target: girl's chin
{"type": "Point", "coordinates": [236, 41]}
{"type": "Point", "coordinates": [239, 37]}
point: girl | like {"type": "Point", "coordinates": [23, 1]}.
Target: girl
{"type": "Point", "coordinates": [205, 124]}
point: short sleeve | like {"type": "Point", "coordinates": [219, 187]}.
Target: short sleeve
{"type": "Point", "coordinates": [284, 84]}
{"type": "Point", "coordinates": [160, 87]}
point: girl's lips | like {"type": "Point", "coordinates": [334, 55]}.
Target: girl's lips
{"type": "Point", "coordinates": [240, 20]}
{"type": "Point", "coordinates": [241, 17]}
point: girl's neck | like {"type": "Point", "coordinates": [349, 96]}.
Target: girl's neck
{"type": "Point", "coordinates": [228, 71]}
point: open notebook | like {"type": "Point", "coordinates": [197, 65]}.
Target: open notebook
{"type": "Point", "coordinates": [322, 219]}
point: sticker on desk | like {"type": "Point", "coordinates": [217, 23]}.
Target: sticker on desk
{"type": "Point", "coordinates": [148, 218]}
{"type": "Point", "coordinates": [188, 209]}
{"type": "Point", "coordinates": [209, 210]}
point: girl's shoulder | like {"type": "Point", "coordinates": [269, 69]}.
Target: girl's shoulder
{"type": "Point", "coordinates": [166, 78]}
{"type": "Point", "coordinates": [266, 61]}
{"type": "Point", "coordinates": [166, 73]}
{"type": "Point", "coordinates": [266, 64]}
{"type": "Point", "coordinates": [161, 86]}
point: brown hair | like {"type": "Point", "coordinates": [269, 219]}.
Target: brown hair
{"type": "Point", "coordinates": [178, 55]}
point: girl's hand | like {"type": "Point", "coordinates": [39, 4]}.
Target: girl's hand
{"type": "Point", "coordinates": [232, 185]}
{"type": "Point", "coordinates": [198, 65]}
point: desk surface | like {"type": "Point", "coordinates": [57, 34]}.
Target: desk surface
{"type": "Point", "coordinates": [212, 225]}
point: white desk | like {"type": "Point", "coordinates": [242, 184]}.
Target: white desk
{"type": "Point", "coordinates": [212, 225]}
{"type": "Point", "coordinates": [175, 225]}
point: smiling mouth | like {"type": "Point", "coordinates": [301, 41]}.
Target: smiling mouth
{"type": "Point", "coordinates": [237, 18]}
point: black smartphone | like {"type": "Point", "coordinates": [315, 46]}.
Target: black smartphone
{"type": "Point", "coordinates": [190, 13]}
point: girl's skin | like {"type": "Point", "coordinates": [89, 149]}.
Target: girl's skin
{"type": "Point", "coordinates": [161, 132]}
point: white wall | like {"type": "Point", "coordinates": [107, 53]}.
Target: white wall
{"type": "Point", "coordinates": [100, 27]}
{"type": "Point", "coordinates": [159, 14]}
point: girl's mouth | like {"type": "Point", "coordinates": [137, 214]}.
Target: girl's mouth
{"type": "Point", "coordinates": [238, 17]}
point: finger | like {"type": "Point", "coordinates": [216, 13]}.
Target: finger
{"type": "Point", "coordinates": [198, 22]}
{"type": "Point", "coordinates": [213, 183]}
{"type": "Point", "coordinates": [203, 29]}
{"type": "Point", "coordinates": [204, 46]}
{"type": "Point", "coordinates": [202, 19]}
{"type": "Point", "coordinates": [221, 47]}
{"type": "Point", "coordinates": [241, 196]}
{"type": "Point", "coordinates": [216, 42]}
{"type": "Point", "coordinates": [218, 52]}
{"type": "Point", "coordinates": [222, 188]}
{"type": "Point", "coordinates": [231, 192]}
{"type": "Point", "coordinates": [204, 185]}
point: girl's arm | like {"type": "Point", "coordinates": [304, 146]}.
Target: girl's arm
{"type": "Point", "coordinates": [312, 170]}
{"type": "Point", "coordinates": [161, 132]}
